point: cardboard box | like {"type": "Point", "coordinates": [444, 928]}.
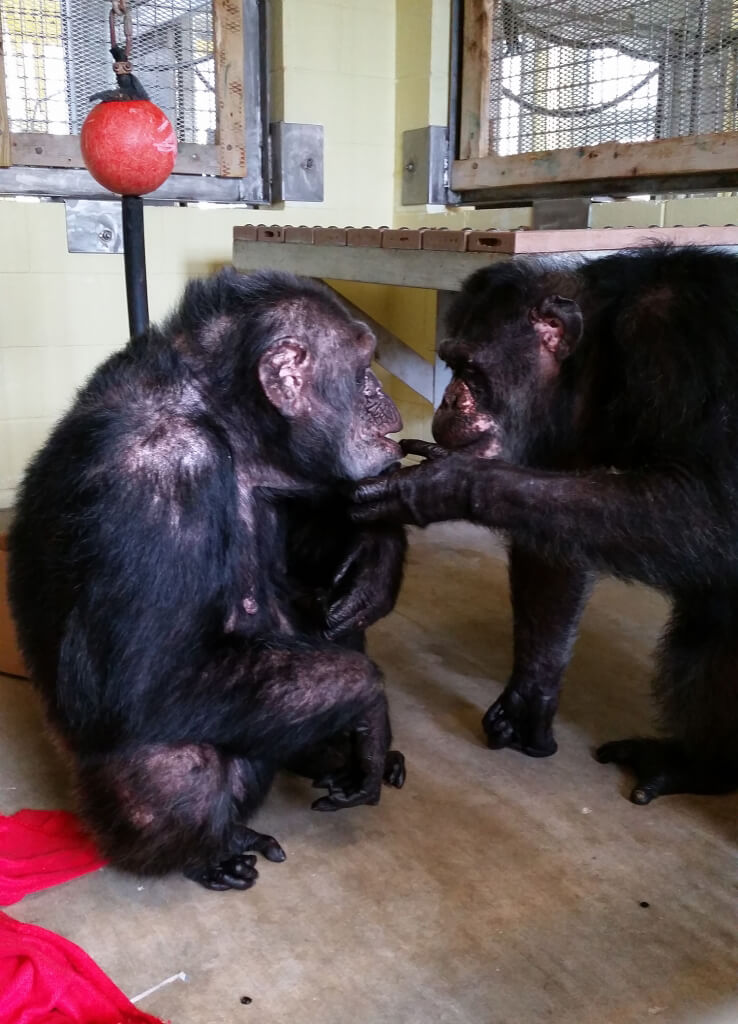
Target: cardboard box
{"type": "Point", "coordinates": [11, 662]}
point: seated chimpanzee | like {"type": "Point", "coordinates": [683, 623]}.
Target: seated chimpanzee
{"type": "Point", "coordinates": [593, 414]}
{"type": "Point", "coordinates": [190, 593]}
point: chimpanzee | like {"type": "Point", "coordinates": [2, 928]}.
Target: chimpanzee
{"type": "Point", "coordinates": [189, 590]}
{"type": "Point", "coordinates": [593, 418]}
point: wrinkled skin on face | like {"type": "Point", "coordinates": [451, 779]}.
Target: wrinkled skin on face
{"type": "Point", "coordinates": [504, 361]}
{"type": "Point", "coordinates": [366, 448]}
{"type": "Point", "coordinates": [319, 378]}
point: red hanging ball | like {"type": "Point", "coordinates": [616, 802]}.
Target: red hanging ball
{"type": "Point", "coordinates": [128, 146]}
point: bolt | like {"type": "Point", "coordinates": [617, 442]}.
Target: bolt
{"type": "Point", "coordinates": [309, 163]}
{"type": "Point", "coordinates": [106, 235]}
{"type": "Point", "coordinates": [410, 166]}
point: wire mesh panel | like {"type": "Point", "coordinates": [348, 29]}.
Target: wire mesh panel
{"type": "Point", "coordinates": [568, 73]}
{"type": "Point", "coordinates": [56, 57]}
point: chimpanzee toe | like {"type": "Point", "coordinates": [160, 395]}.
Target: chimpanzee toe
{"type": "Point", "coordinates": [248, 839]}
{"type": "Point", "coordinates": [339, 799]}
{"type": "Point", "coordinates": [234, 873]}
{"type": "Point", "coordinates": [662, 767]}
{"type": "Point", "coordinates": [514, 722]}
{"type": "Point", "coordinates": [395, 772]}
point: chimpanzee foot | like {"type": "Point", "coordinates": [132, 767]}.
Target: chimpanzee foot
{"type": "Point", "coordinates": [662, 767]}
{"type": "Point", "coordinates": [348, 779]}
{"type": "Point", "coordinates": [338, 799]}
{"type": "Point", "coordinates": [234, 873]}
{"type": "Point", "coordinates": [523, 722]}
{"type": "Point", "coordinates": [247, 839]}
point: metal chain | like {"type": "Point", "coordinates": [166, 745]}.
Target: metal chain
{"type": "Point", "coordinates": [119, 8]}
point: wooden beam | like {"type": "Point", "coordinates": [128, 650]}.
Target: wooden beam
{"type": "Point", "coordinates": [39, 149]}
{"type": "Point", "coordinates": [575, 240]}
{"type": "Point", "coordinates": [610, 161]}
{"type": "Point", "coordinates": [446, 271]}
{"type": "Point", "coordinates": [475, 78]}
{"type": "Point", "coordinates": [228, 44]}
{"type": "Point", "coordinates": [409, 268]}
{"type": "Point", "coordinates": [4, 120]}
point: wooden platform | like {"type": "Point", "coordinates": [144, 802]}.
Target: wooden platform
{"type": "Point", "coordinates": [435, 257]}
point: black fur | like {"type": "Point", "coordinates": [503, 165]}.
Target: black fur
{"type": "Point", "coordinates": [180, 636]}
{"type": "Point", "coordinates": [614, 452]}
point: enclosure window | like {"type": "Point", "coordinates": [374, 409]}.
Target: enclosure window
{"type": "Point", "coordinates": [584, 72]}
{"type": "Point", "coordinates": [56, 57]}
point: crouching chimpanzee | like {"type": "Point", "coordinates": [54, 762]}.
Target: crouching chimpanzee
{"type": "Point", "coordinates": [189, 591]}
{"type": "Point", "coordinates": [593, 414]}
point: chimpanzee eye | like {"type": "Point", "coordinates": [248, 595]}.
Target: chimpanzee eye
{"type": "Point", "coordinates": [361, 377]}
{"type": "Point", "coordinates": [469, 373]}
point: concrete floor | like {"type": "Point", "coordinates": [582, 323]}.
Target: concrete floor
{"type": "Point", "coordinates": [493, 889]}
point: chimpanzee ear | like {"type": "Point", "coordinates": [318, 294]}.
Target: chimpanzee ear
{"type": "Point", "coordinates": [284, 374]}
{"type": "Point", "coordinates": [558, 323]}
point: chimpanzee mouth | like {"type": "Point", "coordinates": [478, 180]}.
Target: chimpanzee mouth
{"type": "Point", "coordinates": [391, 446]}
{"type": "Point", "coordinates": [391, 452]}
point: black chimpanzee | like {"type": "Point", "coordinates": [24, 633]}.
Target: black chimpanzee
{"type": "Point", "coordinates": [189, 591]}
{"type": "Point", "coordinates": [596, 408]}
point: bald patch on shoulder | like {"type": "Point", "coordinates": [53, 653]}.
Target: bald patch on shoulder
{"type": "Point", "coordinates": [172, 447]}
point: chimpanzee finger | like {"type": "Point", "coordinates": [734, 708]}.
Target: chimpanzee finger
{"type": "Point", "coordinates": [343, 781]}
{"type": "Point", "coordinates": [390, 511]}
{"type": "Point", "coordinates": [346, 615]}
{"type": "Point", "coordinates": [411, 446]}
{"type": "Point", "coordinates": [369, 490]}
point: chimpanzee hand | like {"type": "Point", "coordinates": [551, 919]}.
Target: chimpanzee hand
{"type": "Point", "coordinates": [367, 583]}
{"type": "Point", "coordinates": [346, 789]}
{"type": "Point", "coordinates": [431, 492]}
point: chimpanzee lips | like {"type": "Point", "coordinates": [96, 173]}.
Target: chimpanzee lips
{"type": "Point", "coordinates": [391, 446]}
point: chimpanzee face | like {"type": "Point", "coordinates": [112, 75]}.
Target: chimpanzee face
{"type": "Point", "coordinates": [367, 450]}
{"type": "Point", "coordinates": [320, 380]}
{"type": "Point", "coordinates": [505, 356]}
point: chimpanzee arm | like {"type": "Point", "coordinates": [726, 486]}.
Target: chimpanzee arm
{"type": "Point", "coordinates": [646, 525]}
{"type": "Point", "coordinates": [547, 601]}
{"type": "Point", "coordinates": [351, 572]}
{"type": "Point", "coordinates": [367, 582]}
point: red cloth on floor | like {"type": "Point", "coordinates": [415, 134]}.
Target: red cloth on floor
{"type": "Point", "coordinates": [39, 849]}
{"type": "Point", "coordinates": [45, 979]}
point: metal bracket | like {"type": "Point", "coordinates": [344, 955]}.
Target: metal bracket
{"type": "Point", "coordinates": [297, 162]}
{"type": "Point", "coordinates": [554, 214]}
{"type": "Point", "coordinates": [425, 166]}
{"type": "Point", "coordinates": [93, 226]}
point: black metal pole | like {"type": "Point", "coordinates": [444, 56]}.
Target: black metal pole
{"type": "Point", "coordinates": [134, 256]}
